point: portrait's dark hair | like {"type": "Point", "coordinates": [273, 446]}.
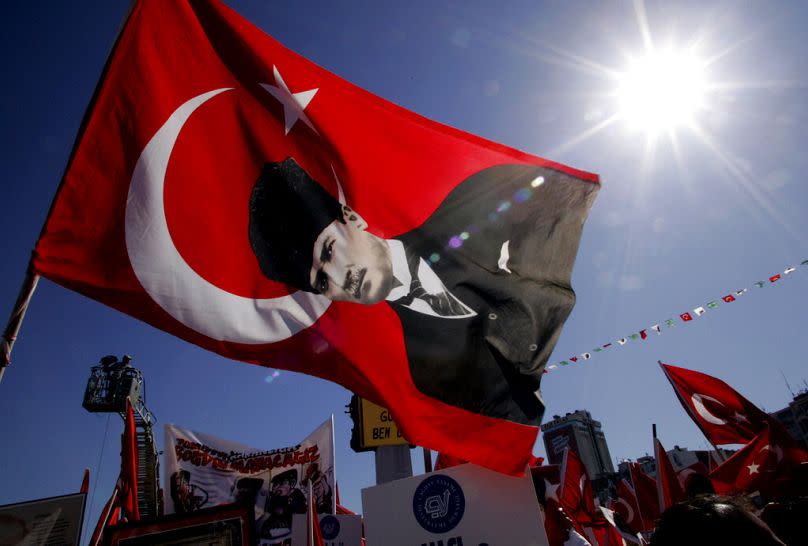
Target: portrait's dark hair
{"type": "Point", "coordinates": [288, 476]}
{"type": "Point", "coordinates": [711, 520]}
{"type": "Point", "coordinates": [288, 211]}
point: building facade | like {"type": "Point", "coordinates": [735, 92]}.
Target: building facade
{"type": "Point", "coordinates": [795, 418]}
{"type": "Point", "coordinates": [582, 434]}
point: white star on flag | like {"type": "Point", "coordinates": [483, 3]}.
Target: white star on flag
{"type": "Point", "coordinates": [740, 417]}
{"type": "Point", "coordinates": [294, 104]}
{"type": "Point", "coordinates": [753, 468]}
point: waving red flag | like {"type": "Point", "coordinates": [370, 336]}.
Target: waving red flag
{"type": "Point", "coordinates": [238, 196]}
{"type": "Point", "coordinates": [668, 488]}
{"type": "Point", "coordinates": [575, 494]}
{"type": "Point", "coordinates": [766, 464]}
{"type": "Point", "coordinates": [723, 415]}
{"type": "Point", "coordinates": [628, 508]}
{"type": "Point", "coordinates": [694, 478]}
{"type": "Point", "coordinates": [127, 481]}
{"type": "Point", "coordinates": [647, 497]}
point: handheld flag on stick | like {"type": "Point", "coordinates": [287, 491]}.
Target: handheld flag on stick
{"type": "Point", "coordinates": [305, 260]}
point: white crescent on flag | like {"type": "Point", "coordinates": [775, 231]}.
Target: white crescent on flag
{"type": "Point", "coordinates": [173, 284]}
{"type": "Point", "coordinates": [777, 450]}
{"type": "Point", "coordinates": [630, 510]}
{"type": "Point", "coordinates": [698, 403]}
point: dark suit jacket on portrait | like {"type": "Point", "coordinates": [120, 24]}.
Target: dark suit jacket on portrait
{"type": "Point", "coordinates": [492, 363]}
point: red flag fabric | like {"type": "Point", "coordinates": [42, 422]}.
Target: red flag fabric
{"type": "Point", "coordinates": [723, 415]}
{"type": "Point", "coordinates": [447, 461]}
{"type": "Point", "coordinates": [627, 507]}
{"type": "Point", "coordinates": [766, 464]}
{"type": "Point", "coordinates": [340, 230]}
{"type": "Point", "coordinates": [547, 482]}
{"type": "Point", "coordinates": [668, 488]}
{"type": "Point", "coordinates": [127, 481]}
{"type": "Point", "coordinates": [647, 497]}
{"type": "Point", "coordinates": [104, 518]}
{"type": "Point", "coordinates": [616, 531]}
{"type": "Point", "coordinates": [575, 494]}
{"type": "Point", "coordinates": [687, 475]}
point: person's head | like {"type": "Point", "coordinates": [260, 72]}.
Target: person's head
{"type": "Point", "coordinates": [246, 490]}
{"type": "Point", "coordinates": [181, 488]}
{"type": "Point", "coordinates": [709, 521]}
{"type": "Point", "coordinates": [787, 519]}
{"type": "Point", "coordinates": [283, 483]}
{"type": "Point", "coordinates": [305, 238]}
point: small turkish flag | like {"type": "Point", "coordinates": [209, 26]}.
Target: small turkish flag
{"type": "Point", "coordinates": [575, 495]}
{"type": "Point", "coordinates": [686, 316]}
{"type": "Point", "coordinates": [723, 415]}
{"type": "Point", "coordinates": [766, 464]}
{"type": "Point", "coordinates": [627, 506]}
{"type": "Point", "coordinates": [668, 487]}
{"type": "Point", "coordinates": [229, 191]}
{"type": "Point", "coordinates": [647, 496]}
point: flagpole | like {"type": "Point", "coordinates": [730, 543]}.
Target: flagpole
{"type": "Point", "coordinates": [311, 516]}
{"type": "Point", "coordinates": [31, 278]}
{"type": "Point", "coordinates": [15, 319]}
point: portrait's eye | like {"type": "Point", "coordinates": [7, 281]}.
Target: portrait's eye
{"type": "Point", "coordinates": [329, 250]}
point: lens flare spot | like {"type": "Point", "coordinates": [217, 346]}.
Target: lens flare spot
{"type": "Point", "coordinates": [538, 181]}
{"type": "Point", "coordinates": [434, 258]}
{"type": "Point", "coordinates": [504, 206]}
{"type": "Point", "coordinates": [522, 195]}
{"type": "Point", "coordinates": [455, 242]}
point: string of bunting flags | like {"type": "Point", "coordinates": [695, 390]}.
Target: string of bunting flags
{"type": "Point", "coordinates": [687, 316]}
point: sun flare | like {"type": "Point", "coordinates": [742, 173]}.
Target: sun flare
{"type": "Point", "coordinates": [662, 91]}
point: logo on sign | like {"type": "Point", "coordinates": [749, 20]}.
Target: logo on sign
{"type": "Point", "coordinates": [438, 504]}
{"type": "Point", "coordinates": [329, 526]}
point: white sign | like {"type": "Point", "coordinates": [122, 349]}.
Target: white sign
{"type": "Point", "coordinates": [464, 505]}
{"type": "Point", "coordinates": [338, 530]}
{"type": "Point", "coordinates": [55, 520]}
{"type": "Point", "coordinates": [201, 471]}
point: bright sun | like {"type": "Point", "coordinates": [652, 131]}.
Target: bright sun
{"type": "Point", "coordinates": [662, 91]}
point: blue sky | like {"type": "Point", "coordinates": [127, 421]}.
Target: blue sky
{"type": "Point", "coordinates": [670, 230]}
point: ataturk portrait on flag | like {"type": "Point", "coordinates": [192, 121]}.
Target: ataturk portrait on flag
{"type": "Point", "coordinates": [250, 202]}
{"type": "Point", "coordinates": [481, 290]}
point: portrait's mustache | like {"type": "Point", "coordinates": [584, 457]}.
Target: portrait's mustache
{"type": "Point", "coordinates": [353, 282]}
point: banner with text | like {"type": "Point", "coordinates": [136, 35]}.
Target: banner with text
{"type": "Point", "coordinates": [463, 505]}
{"type": "Point", "coordinates": [201, 471]}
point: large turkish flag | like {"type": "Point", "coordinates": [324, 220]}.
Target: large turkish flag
{"type": "Point", "coordinates": [720, 411]}
{"type": "Point", "coordinates": [212, 163]}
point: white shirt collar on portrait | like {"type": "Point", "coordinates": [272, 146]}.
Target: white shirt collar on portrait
{"type": "Point", "coordinates": [401, 271]}
{"type": "Point", "coordinates": [430, 282]}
